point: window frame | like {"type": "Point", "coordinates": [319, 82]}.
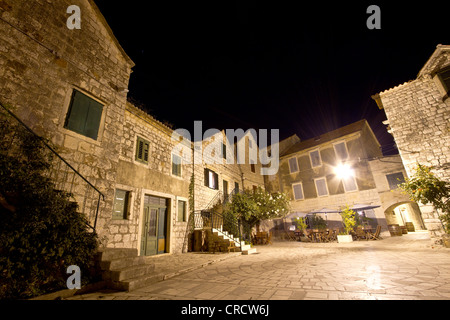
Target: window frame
{"type": "Point", "coordinates": [392, 174]}
{"type": "Point", "coordinates": [356, 185]}
{"type": "Point", "coordinates": [207, 181]}
{"type": "Point", "coordinates": [289, 164]}
{"type": "Point", "coordinates": [185, 210]}
{"type": "Point", "coordinates": [293, 191]}
{"type": "Point", "coordinates": [326, 187]}
{"type": "Point", "coordinates": [346, 150]}
{"type": "Point", "coordinates": [311, 160]}
{"type": "Point", "coordinates": [126, 205]}
{"type": "Point", "coordinates": [179, 165]}
{"type": "Point", "coordinates": [136, 154]}
{"type": "Point", "coordinates": [68, 124]}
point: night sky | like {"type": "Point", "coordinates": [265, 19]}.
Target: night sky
{"type": "Point", "coordinates": [302, 69]}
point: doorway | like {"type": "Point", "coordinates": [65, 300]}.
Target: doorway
{"type": "Point", "coordinates": [154, 228]}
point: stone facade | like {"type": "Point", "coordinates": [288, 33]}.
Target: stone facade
{"type": "Point", "coordinates": [418, 114]}
{"type": "Point", "coordinates": [42, 62]}
{"type": "Point", "coordinates": [302, 179]}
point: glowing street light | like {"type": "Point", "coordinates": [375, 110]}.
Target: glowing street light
{"type": "Point", "coordinates": [344, 171]}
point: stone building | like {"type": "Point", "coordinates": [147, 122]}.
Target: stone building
{"type": "Point", "coordinates": [424, 135]}
{"type": "Point", "coordinates": [121, 164]}
{"type": "Point", "coordinates": [69, 86]}
{"type": "Point", "coordinates": [339, 168]}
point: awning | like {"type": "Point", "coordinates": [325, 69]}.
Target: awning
{"type": "Point", "coordinates": [361, 207]}
{"type": "Point", "coordinates": [326, 210]}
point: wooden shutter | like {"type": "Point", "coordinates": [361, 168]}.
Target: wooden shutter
{"type": "Point", "coordinates": [444, 76]}
{"type": "Point", "coordinates": [142, 150]}
{"type": "Point", "coordinates": [84, 115]}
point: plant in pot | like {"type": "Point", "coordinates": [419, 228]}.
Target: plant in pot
{"type": "Point", "coordinates": [349, 221]}
{"type": "Point", "coordinates": [301, 225]}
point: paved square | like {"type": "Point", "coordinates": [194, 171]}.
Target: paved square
{"type": "Point", "coordinates": [406, 267]}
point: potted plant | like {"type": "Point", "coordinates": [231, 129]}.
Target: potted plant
{"type": "Point", "coordinates": [349, 221]}
{"type": "Point", "coordinates": [301, 225]}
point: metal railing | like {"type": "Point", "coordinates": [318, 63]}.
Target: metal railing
{"type": "Point", "coordinates": [225, 223]}
{"type": "Point", "coordinates": [63, 175]}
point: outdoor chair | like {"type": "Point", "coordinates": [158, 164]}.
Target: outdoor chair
{"type": "Point", "coordinates": [360, 234]}
{"type": "Point", "coordinates": [376, 235]}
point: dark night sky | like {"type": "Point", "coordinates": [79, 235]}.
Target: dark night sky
{"type": "Point", "coordinates": [303, 69]}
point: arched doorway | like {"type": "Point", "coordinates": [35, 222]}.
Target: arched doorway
{"type": "Point", "coordinates": [402, 212]}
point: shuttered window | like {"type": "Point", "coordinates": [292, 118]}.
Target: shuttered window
{"type": "Point", "coordinates": [84, 115]}
{"type": "Point", "coordinates": [315, 158]}
{"type": "Point", "coordinates": [120, 209]}
{"type": "Point", "coordinates": [182, 211]}
{"type": "Point", "coordinates": [298, 191]}
{"type": "Point", "coordinates": [142, 150]}
{"type": "Point", "coordinates": [394, 179]}
{"type": "Point", "coordinates": [211, 179]}
{"type": "Point", "coordinates": [176, 165]}
{"type": "Point", "coordinates": [321, 186]}
{"type": "Point", "coordinates": [293, 165]}
{"type": "Point", "coordinates": [341, 151]}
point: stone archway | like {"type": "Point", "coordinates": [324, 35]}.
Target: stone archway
{"type": "Point", "coordinates": [405, 211]}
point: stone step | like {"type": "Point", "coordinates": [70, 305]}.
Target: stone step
{"type": "Point", "coordinates": [109, 254]}
{"type": "Point", "coordinates": [129, 272]}
{"type": "Point", "coordinates": [136, 282]}
{"type": "Point", "coordinates": [122, 263]}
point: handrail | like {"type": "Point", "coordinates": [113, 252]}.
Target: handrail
{"type": "Point", "coordinates": [78, 174]}
{"type": "Point", "coordinates": [206, 219]}
{"type": "Point", "coordinates": [51, 149]}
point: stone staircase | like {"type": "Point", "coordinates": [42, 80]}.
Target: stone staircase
{"type": "Point", "coordinates": [227, 239]}
{"type": "Point", "coordinates": [123, 269]}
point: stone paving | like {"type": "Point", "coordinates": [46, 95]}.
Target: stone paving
{"type": "Point", "coordinates": [406, 267]}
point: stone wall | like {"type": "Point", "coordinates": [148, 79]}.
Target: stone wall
{"type": "Point", "coordinates": [418, 113]}
{"type": "Point", "coordinates": [153, 178]}
{"type": "Point", "coordinates": [42, 62]}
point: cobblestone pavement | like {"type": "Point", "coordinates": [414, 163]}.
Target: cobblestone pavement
{"type": "Point", "coordinates": [406, 267]}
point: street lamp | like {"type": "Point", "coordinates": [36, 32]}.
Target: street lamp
{"type": "Point", "coordinates": [344, 171]}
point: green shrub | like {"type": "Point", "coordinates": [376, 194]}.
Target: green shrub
{"type": "Point", "coordinates": [41, 232]}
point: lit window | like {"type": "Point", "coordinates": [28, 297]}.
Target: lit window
{"type": "Point", "coordinates": [341, 151]}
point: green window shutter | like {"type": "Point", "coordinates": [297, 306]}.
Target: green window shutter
{"type": "Point", "coordinates": [93, 119]}
{"type": "Point", "coordinates": [84, 115]}
{"type": "Point", "coordinates": [142, 150]}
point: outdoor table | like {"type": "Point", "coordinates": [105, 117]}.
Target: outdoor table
{"type": "Point", "coordinates": [261, 237]}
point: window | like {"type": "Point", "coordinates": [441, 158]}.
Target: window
{"type": "Point", "coordinates": [211, 179]}
{"type": "Point", "coordinates": [444, 77]}
{"type": "Point", "coordinates": [321, 187]}
{"type": "Point", "coordinates": [293, 165]}
{"type": "Point", "coordinates": [84, 115]}
{"type": "Point", "coordinates": [224, 151]}
{"type": "Point", "coordinates": [349, 184]}
{"type": "Point", "coordinates": [142, 150]}
{"type": "Point", "coordinates": [298, 191]}
{"type": "Point", "coordinates": [394, 179]}
{"type": "Point", "coordinates": [176, 165]}
{"type": "Point", "coordinates": [120, 209]}
{"type": "Point", "coordinates": [252, 167]}
{"type": "Point", "coordinates": [341, 151]}
{"type": "Point", "coordinates": [182, 211]}
{"type": "Point", "coordinates": [314, 156]}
